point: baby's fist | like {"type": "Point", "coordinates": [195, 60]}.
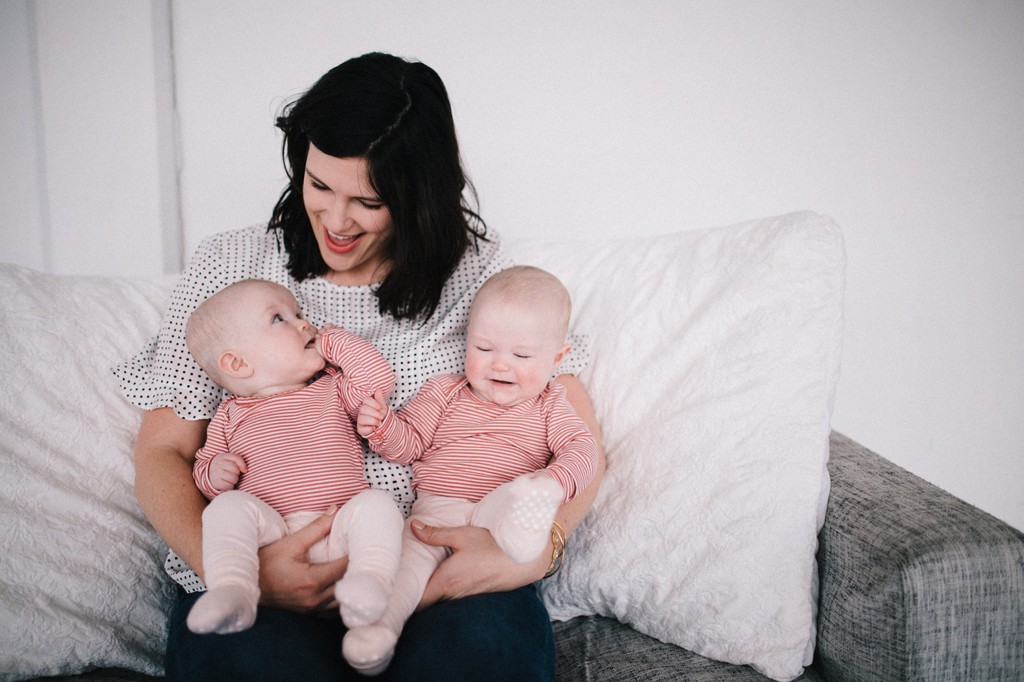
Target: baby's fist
{"type": "Point", "coordinates": [371, 414]}
{"type": "Point", "coordinates": [225, 470]}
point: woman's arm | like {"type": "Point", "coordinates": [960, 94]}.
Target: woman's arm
{"type": "Point", "coordinates": [477, 564]}
{"type": "Point", "coordinates": [164, 453]}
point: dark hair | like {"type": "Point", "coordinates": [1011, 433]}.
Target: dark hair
{"type": "Point", "coordinates": [395, 114]}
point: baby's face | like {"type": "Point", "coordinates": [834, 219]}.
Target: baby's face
{"type": "Point", "coordinates": [511, 351]}
{"type": "Point", "coordinates": [276, 340]}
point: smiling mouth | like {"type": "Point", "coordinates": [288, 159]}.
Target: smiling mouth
{"type": "Point", "coordinates": [341, 243]}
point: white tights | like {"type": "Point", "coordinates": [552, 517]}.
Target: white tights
{"type": "Point", "coordinates": [236, 524]}
{"type": "Point", "coordinates": [518, 514]}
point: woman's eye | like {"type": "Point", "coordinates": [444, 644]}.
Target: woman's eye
{"type": "Point", "coordinates": [372, 205]}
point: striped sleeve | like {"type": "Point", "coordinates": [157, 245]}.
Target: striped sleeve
{"type": "Point", "coordinates": [363, 368]}
{"type": "Point", "coordinates": [573, 448]}
{"type": "Point", "coordinates": [216, 443]}
{"type": "Point", "coordinates": [404, 436]}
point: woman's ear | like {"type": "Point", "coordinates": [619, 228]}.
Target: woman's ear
{"type": "Point", "coordinates": [233, 365]}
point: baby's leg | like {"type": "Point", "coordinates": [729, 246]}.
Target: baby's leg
{"type": "Point", "coordinates": [369, 649]}
{"type": "Point", "coordinates": [235, 525]}
{"type": "Point", "coordinates": [519, 514]}
{"type": "Point", "coordinates": [373, 525]}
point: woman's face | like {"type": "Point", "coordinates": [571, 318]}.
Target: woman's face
{"type": "Point", "coordinates": [349, 220]}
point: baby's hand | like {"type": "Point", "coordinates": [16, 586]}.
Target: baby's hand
{"type": "Point", "coordinates": [318, 339]}
{"type": "Point", "coordinates": [225, 470]}
{"type": "Point", "coordinates": [371, 414]}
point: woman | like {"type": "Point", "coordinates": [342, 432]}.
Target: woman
{"type": "Point", "coordinates": [372, 234]}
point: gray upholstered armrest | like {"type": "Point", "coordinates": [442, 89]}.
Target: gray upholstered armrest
{"type": "Point", "coordinates": [915, 583]}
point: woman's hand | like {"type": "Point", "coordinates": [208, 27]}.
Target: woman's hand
{"type": "Point", "coordinates": [476, 566]}
{"type": "Point", "coordinates": [289, 581]}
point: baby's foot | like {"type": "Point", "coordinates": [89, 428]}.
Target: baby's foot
{"type": "Point", "coordinates": [369, 649]}
{"type": "Point", "coordinates": [362, 598]}
{"type": "Point", "coordinates": [223, 610]}
{"type": "Point", "coordinates": [523, 533]}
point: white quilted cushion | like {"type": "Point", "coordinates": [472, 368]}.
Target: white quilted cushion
{"type": "Point", "coordinates": [82, 584]}
{"type": "Point", "coordinates": [716, 356]}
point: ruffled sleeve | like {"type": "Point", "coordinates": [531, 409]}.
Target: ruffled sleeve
{"type": "Point", "coordinates": [579, 355]}
{"type": "Point", "coordinates": [164, 374]}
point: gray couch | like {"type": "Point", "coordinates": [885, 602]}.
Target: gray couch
{"type": "Point", "coordinates": [915, 585]}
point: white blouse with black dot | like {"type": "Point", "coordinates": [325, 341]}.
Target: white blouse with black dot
{"type": "Point", "coordinates": [165, 375]}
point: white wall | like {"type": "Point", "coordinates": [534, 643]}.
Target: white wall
{"type": "Point", "coordinates": [24, 233]}
{"type": "Point", "coordinates": [89, 136]}
{"type": "Point", "coordinates": [901, 120]}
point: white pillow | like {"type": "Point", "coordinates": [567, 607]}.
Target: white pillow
{"type": "Point", "coordinates": [715, 361]}
{"type": "Point", "coordinates": [716, 357]}
{"type": "Point", "coordinates": [82, 584]}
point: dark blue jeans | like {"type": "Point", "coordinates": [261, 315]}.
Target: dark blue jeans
{"type": "Point", "coordinates": [492, 637]}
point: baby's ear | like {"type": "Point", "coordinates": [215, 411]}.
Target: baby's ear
{"type": "Point", "coordinates": [233, 365]}
{"type": "Point", "coordinates": [561, 354]}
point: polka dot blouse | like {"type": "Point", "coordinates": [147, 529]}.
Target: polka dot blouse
{"type": "Point", "coordinates": [165, 375]}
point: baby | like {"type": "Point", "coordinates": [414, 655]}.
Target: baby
{"type": "Point", "coordinates": [499, 448]}
{"type": "Point", "coordinates": [283, 449]}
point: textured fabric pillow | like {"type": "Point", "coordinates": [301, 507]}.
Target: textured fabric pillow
{"type": "Point", "coordinates": [82, 584]}
{"type": "Point", "coordinates": [716, 357]}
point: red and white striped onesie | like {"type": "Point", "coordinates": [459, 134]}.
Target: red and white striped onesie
{"type": "Point", "coordinates": [301, 447]}
{"type": "Point", "coordinates": [302, 455]}
{"type": "Point", "coordinates": [461, 446]}
{"type": "Point", "coordinates": [475, 463]}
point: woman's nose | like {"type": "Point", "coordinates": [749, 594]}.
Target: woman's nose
{"type": "Point", "coordinates": [336, 217]}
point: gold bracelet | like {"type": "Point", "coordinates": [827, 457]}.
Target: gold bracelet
{"type": "Point", "coordinates": [558, 542]}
